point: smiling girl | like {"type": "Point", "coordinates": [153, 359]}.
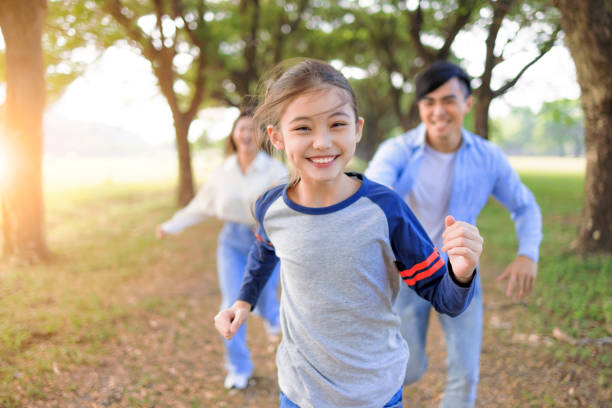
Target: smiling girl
{"type": "Point", "coordinates": [343, 240]}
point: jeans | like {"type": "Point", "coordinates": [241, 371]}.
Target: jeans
{"type": "Point", "coordinates": [394, 402]}
{"type": "Point", "coordinates": [463, 335]}
{"type": "Point", "coordinates": [234, 243]}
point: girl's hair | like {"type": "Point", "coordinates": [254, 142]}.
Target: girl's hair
{"type": "Point", "coordinates": [230, 145]}
{"type": "Point", "coordinates": [288, 80]}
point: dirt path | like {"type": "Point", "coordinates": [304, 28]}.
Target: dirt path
{"type": "Point", "coordinates": [168, 354]}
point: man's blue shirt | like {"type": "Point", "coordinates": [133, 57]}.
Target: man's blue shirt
{"type": "Point", "coordinates": [481, 170]}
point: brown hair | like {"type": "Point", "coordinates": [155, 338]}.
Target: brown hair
{"type": "Point", "coordinates": [285, 82]}
{"type": "Point", "coordinates": [288, 80]}
{"type": "Point", "coordinates": [230, 145]}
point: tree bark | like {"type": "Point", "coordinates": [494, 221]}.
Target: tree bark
{"type": "Point", "coordinates": [23, 233]}
{"type": "Point", "coordinates": [588, 35]}
{"type": "Point", "coordinates": [161, 59]}
{"type": "Point", "coordinates": [186, 189]}
{"type": "Point", "coordinates": [481, 113]}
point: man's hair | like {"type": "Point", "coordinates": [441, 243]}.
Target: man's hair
{"type": "Point", "coordinates": [437, 75]}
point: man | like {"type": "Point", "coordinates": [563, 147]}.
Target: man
{"type": "Point", "coordinates": [440, 168]}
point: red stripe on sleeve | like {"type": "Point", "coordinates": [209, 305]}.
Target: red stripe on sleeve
{"type": "Point", "coordinates": [261, 240]}
{"type": "Point", "coordinates": [426, 273]}
{"type": "Point", "coordinates": [421, 265]}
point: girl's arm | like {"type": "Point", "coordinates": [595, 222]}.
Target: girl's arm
{"type": "Point", "coordinates": [448, 287]}
{"type": "Point", "coordinates": [260, 264]}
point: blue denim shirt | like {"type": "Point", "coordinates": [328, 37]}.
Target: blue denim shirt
{"type": "Point", "coordinates": [481, 170]}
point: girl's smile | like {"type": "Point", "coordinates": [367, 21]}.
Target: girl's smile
{"type": "Point", "coordinates": [322, 161]}
{"type": "Point", "coordinates": [318, 132]}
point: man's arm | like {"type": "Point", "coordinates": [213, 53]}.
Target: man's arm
{"type": "Point", "coordinates": [388, 163]}
{"type": "Point", "coordinates": [525, 213]}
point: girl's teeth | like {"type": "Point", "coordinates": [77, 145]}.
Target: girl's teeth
{"type": "Point", "coordinates": [322, 160]}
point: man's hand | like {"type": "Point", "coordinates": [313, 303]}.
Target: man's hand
{"type": "Point", "coordinates": [522, 274]}
{"type": "Point", "coordinates": [463, 243]}
{"type": "Point", "coordinates": [228, 321]}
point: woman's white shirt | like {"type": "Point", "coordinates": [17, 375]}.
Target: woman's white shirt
{"type": "Point", "coordinates": [229, 194]}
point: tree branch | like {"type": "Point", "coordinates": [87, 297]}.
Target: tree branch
{"type": "Point", "coordinates": [543, 50]}
{"type": "Point", "coordinates": [161, 60]}
{"type": "Point", "coordinates": [466, 8]}
{"type": "Point", "coordinates": [158, 15]}
{"type": "Point", "coordinates": [501, 8]}
{"type": "Point", "coordinates": [415, 21]}
{"type": "Point", "coordinates": [293, 25]}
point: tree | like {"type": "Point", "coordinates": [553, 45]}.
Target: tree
{"type": "Point", "coordinates": [524, 15]}
{"type": "Point", "coordinates": [396, 39]}
{"type": "Point", "coordinates": [588, 35]}
{"type": "Point", "coordinates": [202, 53]}
{"type": "Point", "coordinates": [165, 32]}
{"type": "Point", "coordinates": [22, 199]}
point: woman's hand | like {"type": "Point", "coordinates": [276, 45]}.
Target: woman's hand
{"type": "Point", "coordinates": [159, 232]}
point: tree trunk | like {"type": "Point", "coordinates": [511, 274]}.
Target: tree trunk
{"type": "Point", "coordinates": [185, 173]}
{"type": "Point", "coordinates": [588, 35]}
{"type": "Point", "coordinates": [412, 118]}
{"type": "Point", "coordinates": [481, 115]}
{"type": "Point", "coordinates": [22, 198]}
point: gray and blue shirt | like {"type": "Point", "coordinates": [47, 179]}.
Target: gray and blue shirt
{"type": "Point", "coordinates": [341, 344]}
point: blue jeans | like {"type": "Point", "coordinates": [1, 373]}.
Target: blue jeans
{"type": "Point", "coordinates": [234, 243]}
{"type": "Point", "coordinates": [394, 402]}
{"type": "Point", "coordinates": [463, 335]}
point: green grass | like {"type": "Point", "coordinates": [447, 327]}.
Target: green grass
{"type": "Point", "coordinates": [66, 310]}
{"type": "Point", "coordinates": [571, 292]}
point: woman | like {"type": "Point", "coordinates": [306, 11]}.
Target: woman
{"type": "Point", "coordinates": [229, 195]}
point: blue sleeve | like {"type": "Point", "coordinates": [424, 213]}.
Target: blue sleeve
{"type": "Point", "coordinates": [388, 163]}
{"type": "Point", "coordinates": [419, 262]}
{"type": "Point", "coordinates": [262, 258]}
{"type": "Point", "coordinates": [520, 202]}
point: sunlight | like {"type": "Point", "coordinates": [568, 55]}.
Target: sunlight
{"type": "Point", "coordinates": [4, 163]}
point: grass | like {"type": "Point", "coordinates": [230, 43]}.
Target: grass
{"type": "Point", "coordinates": [65, 311]}
{"type": "Point", "coordinates": [571, 293]}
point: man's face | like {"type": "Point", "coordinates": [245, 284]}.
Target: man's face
{"type": "Point", "coordinates": [443, 111]}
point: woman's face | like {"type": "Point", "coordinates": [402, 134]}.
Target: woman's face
{"type": "Point", "coordinates": [243, 136]}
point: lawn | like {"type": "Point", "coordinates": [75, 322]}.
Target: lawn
{"type": "Point", "coordinates": [68, 312]}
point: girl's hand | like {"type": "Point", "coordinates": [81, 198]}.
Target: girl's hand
{"type": "Point", "coordinates": [463, 243]}
{"type": "Point", "coordinates": [159, 232]}
{"type": "Point", "coordinates": [228, 321]}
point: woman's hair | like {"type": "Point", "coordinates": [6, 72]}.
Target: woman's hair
{"type": "Point", "coordinates": [230, 145]}
{"type": "Point", "coordinates": [289, 80]}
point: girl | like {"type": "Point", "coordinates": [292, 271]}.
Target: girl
{"type": "Point", "coordinates": [228, 195]}
{"type": "Point", "coordinates": [342, 240]}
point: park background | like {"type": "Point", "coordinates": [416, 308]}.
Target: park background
{"type": "Point", "coordinates": [115, 115]}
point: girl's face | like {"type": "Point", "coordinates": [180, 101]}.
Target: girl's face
{"type": "Point", "coordinates": [318, 133]}
{"type": "Point", "coordinates": [243, 136]}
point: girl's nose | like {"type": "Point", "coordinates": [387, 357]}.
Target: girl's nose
{"type": "Point", "coordinates": [322, 140]}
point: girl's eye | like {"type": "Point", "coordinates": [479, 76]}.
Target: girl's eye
{"type": "Point", "coordinates": [301, 129]}
{"type": "Point", "coordinates": [338, 124]}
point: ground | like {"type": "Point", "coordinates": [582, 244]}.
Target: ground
{"type": "Point", "coordinates": [168, 354]}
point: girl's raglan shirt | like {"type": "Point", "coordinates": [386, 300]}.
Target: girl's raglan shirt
{"type": "Point", "coordinates": [341, 344]}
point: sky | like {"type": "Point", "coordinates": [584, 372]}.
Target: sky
{"type": "Point", "coordinates": [120, 90]}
